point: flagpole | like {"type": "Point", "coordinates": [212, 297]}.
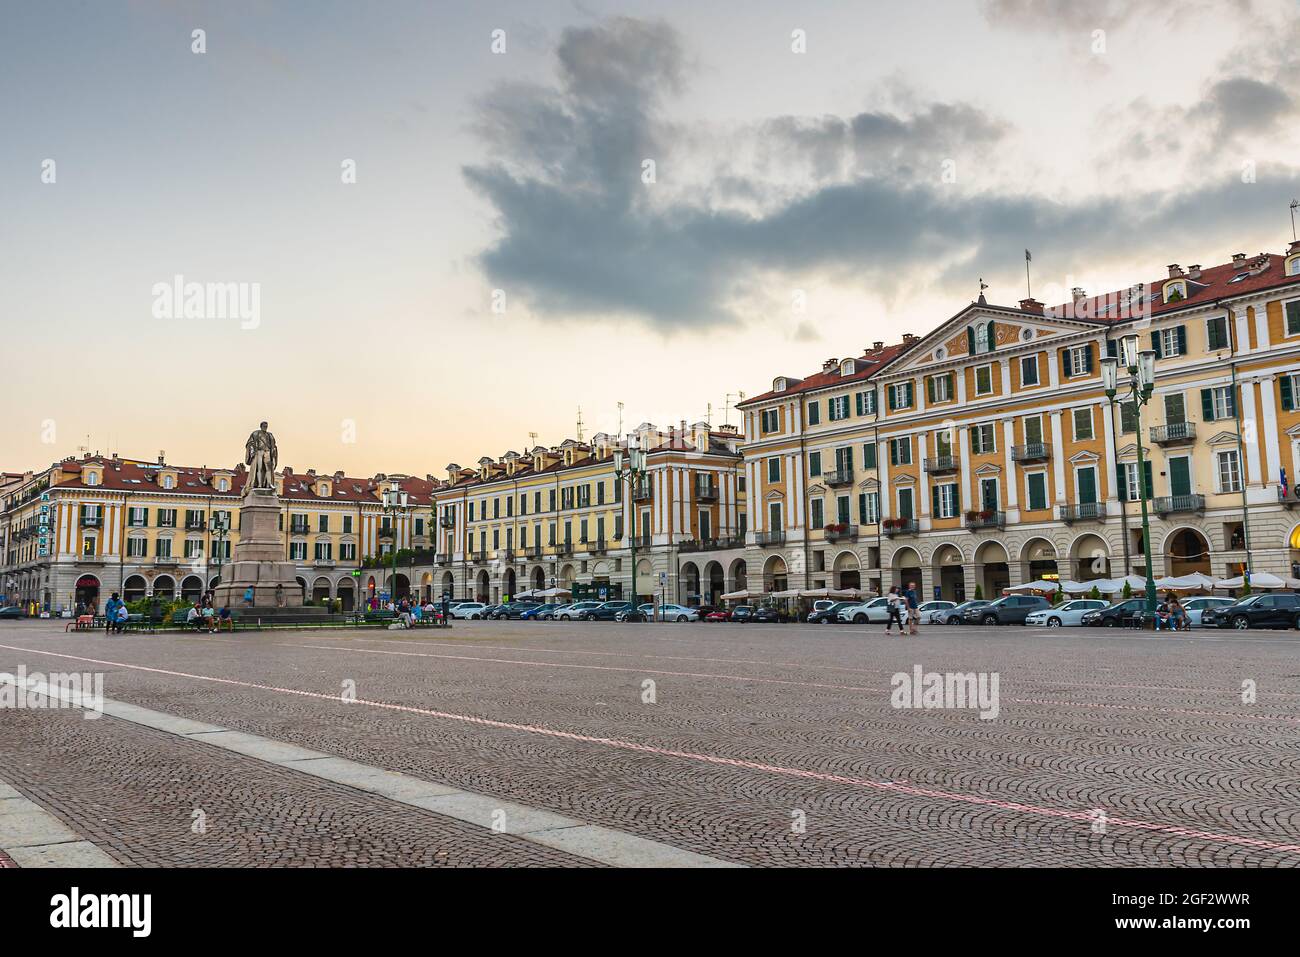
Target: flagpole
{"type": "Point", "coordinates": [1029, 292]}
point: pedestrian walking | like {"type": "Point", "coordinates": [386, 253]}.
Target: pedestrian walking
{"type": "Point", "coordinates": [110, 613]}
{"type": "Point", "coordinates": [913, 608]}
{"type": "Point", "coordinates": [896, 606]}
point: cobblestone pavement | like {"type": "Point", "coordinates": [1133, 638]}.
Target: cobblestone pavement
{"type": "Point", "coordinates": [761, 745]}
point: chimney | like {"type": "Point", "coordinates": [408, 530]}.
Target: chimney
{"type": "Point", "coordinates": [909, 339]}
{"type": "Point", "coordinates": [1238, 259]}
{"type": "Point", "coordinates": [1175, 271]}
{"type": "Point", "coordinates": [877, 345]}
{"type": "Point", "coordinates": [1194, 272]}
{"type": "Point", "coordinates": [161, 456]}
{"type": "Point", "coordinates": [1294, 247]}
{"type": "Point", "coordinates": [829, 364]}
{"type": "Point", "coordinates": [1031, 305]}
{"type": "Point", "coordinates": [1077, 293]}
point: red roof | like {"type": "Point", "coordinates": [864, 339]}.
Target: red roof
{"type": "Point", "coordinates": [869, 363]}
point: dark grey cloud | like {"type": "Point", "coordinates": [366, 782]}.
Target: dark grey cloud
{"type": "Point", "coordinates": [583, 237]}
{"type": "Point", "coordinates": [1246, 105]}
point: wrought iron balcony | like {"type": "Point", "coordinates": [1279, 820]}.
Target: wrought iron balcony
{"type": "Point", "coordinates": [1290, 497]}
{"type": "Point", "coordinates": [323, 562]}
{"type": "Point", "coordinates": [507, 554]}
{"type": "Point", "coordinates": [166, 560]}
{"type": "Point", "coordinates": [1167, 504]}
{"type": "Point", "coordinates": [706, 492]}
{"type": "Point", "coordinates": [710, 544]}
{"type": "Point", "coordinates": [1083, 512]}
{"type": "Point", "coordinates": [447, 521]}
{"type": "Point", "coordinates": [296, 528]}
{"type": "Point", "coordinates": [563, 548]}
{"type": "Point", "coordinates": [941, 463]}
{"type": "Point", "coordinates": [899, 526]}
{"type": "Point", "coordinates": [194, 525]}
{"type": "Point", "coordinates": [478, 556]}
{"type": "Point", "coordinates": [838, 477]}
{"type": "Point", "coordinates": [442, 558]}
{"type": "Point", "coordinates": [1031, 452]}
{"type": "Point", "coordinates": [532, 551]}
{"type": "Point", "coordinates": [767, 539]}
{"type": "Point", "coordinates": [979, 521]}
{"type": "Point", "coordinates": [92, 521]}
{"type": "Point", "coordinates": [841, 533]}
{"type": "Point", "coordinates": [641, 492]}
{"type": "Point", "coordinates": [597, 547]}
{"type": "Point", "coordinates": [1174, 433]}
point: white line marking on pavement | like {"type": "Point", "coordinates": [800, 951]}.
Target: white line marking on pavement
{"type": "Point", "coordinates": [577, 838]}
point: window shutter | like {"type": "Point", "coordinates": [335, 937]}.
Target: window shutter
{"type": "Point", "coordinates": [858, 399]}
{"type": "Point", "coordinates": [1207, 405]}
{"type": "Point", "coordinates": [848, 457]}
{"type": "Point", "coordinates": [1182, 340]}
{"type": "Point", "coordinates": [1146, 478]}
{"type": "Point", "coordinates": [934, 500]}
{"type": "Point", "coordinates": [970, 340]}
{"type": "Point", "coordinates": [1087, 359]}
{"type": "Point", "coordinates": [893, 451]}
{"type": "Point", "coordinates": [929, 389]}
{"type": "Point", "coordinates": [1112, 348]}
{"type": "Point", "coordinates": [891, 391]}
{"type": "Point", "coordinates": [1155, 344]}
{"type": "Point", "coordinates": [1121, 480]}
{"type": "Point", "coordinates": [1232, 403]}
{"type": "Point", "coordinates": [1288, 393]}
{"type": "Point", "coordinates": [1065, 363]}
{"type": "Point", "coordinates": [993, 339]}
{"type": "Point", "coordinates": [869, 455]}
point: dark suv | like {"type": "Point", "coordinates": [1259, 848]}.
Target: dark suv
{"type": "Point", "coordinates": [607, 612]}
{"type": "Point", "coordinates": [1127, 612]}
{"type": "Point", "coordinates": [512, 609]}
{"type": "Point", "coordinates": [1011, 610]}
{"type": "Point", "coordinates": [1257, 611]}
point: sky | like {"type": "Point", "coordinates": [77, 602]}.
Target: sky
{"type": "Point", "coordinates": [450, 225]}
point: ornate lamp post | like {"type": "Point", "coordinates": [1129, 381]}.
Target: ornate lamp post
{"type": "Point", "coordinates": [630, 470]}
{"type": "Point", "coordinates": [396, 503]}
{"type": "Point", "coordinates": [219, 528]}
{"type": "Point", "coordinates": [1141, 369]}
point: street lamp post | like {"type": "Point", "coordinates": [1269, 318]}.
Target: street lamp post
{"type": "Point", "coordinates": [1141, 369]}
{"type": "Point", "coordinates": [219, 527]}
{"type": "Point", "coordinates": [631, 475]}
{"type": "Point", "coordinates": [396, 502]}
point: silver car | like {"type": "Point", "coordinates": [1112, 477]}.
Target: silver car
{"type": "Point", "coordinates": [929, 609]}
{"type": "Point", "coordinates": [1196, 606]}
{"type": "Point", "coordinates": [1067, 613]}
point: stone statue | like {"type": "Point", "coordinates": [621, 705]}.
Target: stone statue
{"type": "Point", "coordinates": [261, 456]}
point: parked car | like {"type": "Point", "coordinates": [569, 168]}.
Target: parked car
{"type": "Point", "coordinates": [642, 612]}
{"type": "Point", "coordinates": [675, 613]}
{"type": "Point", "coordinates": [513, 609]}
{"type": "Point", "coordinates": [741, 613]}
{"type": "Point", "coordinates": [605, 611]}
{"type": "Point", "coordinates": [1278, 610]}
{"type": "Point", "coordinates": [767, 614]}
{"type": "Point", "coordinates": [575, 611]}
{"type": "Point", "coordinates": [1196, 607]}
{"type": "Point", "coordinates": [718, 614]}
{"type": "Point", "coordinates": [469, 609]}
{"type": "Point", "coordinates": [1124, 613]}
{"type": "Point", "coordinates": [1067, 613]}
{"type": "Point", "coordinates": [1008, 610]}
{"type": "Point", "coordinates": [877, 609]}
{"type": "Point", "coordinates": [928, 609]}
{"type": "Point", "coordinates": [705, 610]}
{"type": "Point", "coordinates": [535, 612]}
{"type": "Point", "coordinates": [829, 615]}
{"type": "Point", "coordinates": [956, 614]}
{"type": "Point", "coordinates": [13, 611]}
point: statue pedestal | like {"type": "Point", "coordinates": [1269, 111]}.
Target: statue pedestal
{"type": "Point", "coordinates": [258, 561]}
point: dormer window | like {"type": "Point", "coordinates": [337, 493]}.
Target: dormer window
{"type": "Point", "coordinates": [778, 384]}
{"type": "Point", "coordinates": [169, 481]}
{"type": "Point", "coordinates": [981, 337]}
{"type": "Point", "coordinates": [223, 485]}
{"type": "Point", "coordinates": [1292, 267]}
{"type": "Point", "coordinates": [848, 367]}
{"type": "Point", "coordinates": [1175, 291]}
{"type": "Point", "coordinates": [92, 478]}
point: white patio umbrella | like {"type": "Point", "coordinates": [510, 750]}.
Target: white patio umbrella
{"type": "Point", "coordinates": [555, 593]}
{"type": "Point", "coordinates": [831, 593]}
{"type": "Point", "coordinates": [1259, 580]}
{"type": "Point", "coordinates": [788, 593]}
{"type": "Point", "coordinates": [1043, 585]}
{"type": "Point", "coordinates": [1193, 582]}
{"type": "Point", "coordinates": [743, 594]}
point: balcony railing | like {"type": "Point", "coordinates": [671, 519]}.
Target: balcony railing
{"type": "Point", "coordinates": [1173, 433]}
{"type": "Point", "coordinates": [979, 521]}
{"type": "Point", "coordinates": [166, 560]}
{"type": "Point", "coordinates": [597, 547]}
{"type": "Point", "coordinates": [1031, 452]}
{"type": "Point", "coordinates": [1290, 497]}
{"type": "Point", "coordinates": [769, 538]}
{"type": "Point", "coordinates": [446, 521]}
{"type": "Point", "coordinates": [194, 525]}
{"type": "Point", "coordinates": [899, 526]}
{"type": "Point", "coordinates": [710, 544]}
{"type": "Point", "coordinates": [941, 463]}
{"type": "Point", "coordinates": [1084, 512]}
{"type": "Point", "coordinates": [706, 492]}
{"type": "Point", "coordinates": [641, 492]}
{"type": "Point", "coordinates": [507, 555]}
{"type": "Point", "coordinates": [563, 548]}
{"type": "Point", "coordinates": [841, 533]}
{"type": "Point", "coordinates": [443, 558]}
{"type": "Point", "coordinates": [838, 477]}
{"type": "Point", "coordinates": [1166, 504]}
{"type": "Point", "coordinates": [323, 562]}
{"type": "Point", "coordinates": [533, 551]}
{"type": "Point", "coordinates": [92, 521]}
{"type": "Point", "coordinates": [479, 556]}
{"type": "Point", "coordinates": [295, 529]}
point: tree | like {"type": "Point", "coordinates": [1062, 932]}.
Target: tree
{"type": "Point", "coordinates": [1128, 591]}
{"type": "Point", "coordinates": [979, 593]}
{"type": "Point", "coordinates": [1095, 593]}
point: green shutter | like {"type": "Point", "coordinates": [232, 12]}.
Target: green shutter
{"type": "Point", "coordinates": [869, 455]}
{"type": "Point", "coordinates": [1146, 478]}
{"type": "Point", "coordinates": [993, 338]}
{"type": "Point", "coordinates": [893, 451]}
{"type": "Point", "coordinates": [1182, 340]}
{"type": "Point", "coordinates": [1207, 405]}
{"type": "Point", "coordinates": [1087, 486]}
{"type": "Point", "coordinates": [1155, 344]}
{"type": "Point", "coordinates": [1112, 348]}
{"type": "Point", "coordinates": [934, 500]}
{"type": "Point", "coordinates": [1288, 393]}
{"type": "Point", "coordinates": [848, 457]}
{"type": "Point", "coordinates": [1087, 359]}
{"type": "Point", "coordinates": [857, 399]}
{"type": "Point", "coordinates": [1232, 403]}
{"type": "Point", "coordinates": [970, 340]}
{"type": "Point", "coordinates": [929, 389]}
{"type": "Point", "coordinates": [1065, 363]}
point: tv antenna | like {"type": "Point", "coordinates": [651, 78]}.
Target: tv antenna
{"type": "Point", "coordinates": [579, 423]}
{"type": "Point", "coordinates": [726, 416]}
{"type": "Point", "coordinates": [1294, 203]}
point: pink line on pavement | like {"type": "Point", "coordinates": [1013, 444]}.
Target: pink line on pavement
{"type": "Point", "coordinates": [896, 787]}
